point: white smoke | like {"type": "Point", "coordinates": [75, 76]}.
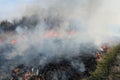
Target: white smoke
{"type": "Point", "coordinates": [93, 21]}
{"type": "Point", "coordinates": [65, 29]}
{"type": "Point", "coordinates": [100, 19]}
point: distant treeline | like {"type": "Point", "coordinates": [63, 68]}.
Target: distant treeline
{"type": "Point", "coordinates": [28, 22]}
{"type": "Point", "coordinates": [49, 22]}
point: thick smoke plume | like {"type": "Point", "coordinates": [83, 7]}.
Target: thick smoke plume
{"type": "Point", "coordinates": [52, 30]}
{"type": "Point", "coordinates": [69, 22]}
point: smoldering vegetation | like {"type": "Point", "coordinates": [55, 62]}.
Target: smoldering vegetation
{"type": "Point", "coordinates": [60, 68]}
{"type": "Point", "coordinates": [55, 58]}
{"type": "Point", "coordinates": [57, 41]}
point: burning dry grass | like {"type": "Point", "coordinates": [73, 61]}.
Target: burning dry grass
{"type": "Point", "coordinates": [61, 70]}
{"type": "Point", "coordinates": [56, 22]}
{"type": "Point", "coordinates": [66, 67]}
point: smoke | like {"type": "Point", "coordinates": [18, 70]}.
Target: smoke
{"type": "Point", "coordinates": [96, 19]}
{"type": "Point", "coordinates": [50, 30]}
{"type": "Point", "coordinates": [86, 21]}
{"type": "Point", "coordinates": [58, 29]}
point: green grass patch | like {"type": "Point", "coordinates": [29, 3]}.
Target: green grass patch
{"type": "Point", "coordinates": [103, 67]}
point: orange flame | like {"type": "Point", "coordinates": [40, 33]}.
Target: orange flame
{"type": "Point", "coordinates": [13, 41]}
{"type": "Point", "coordinates": [1, 41]}
{"type": "Point", "coordinates": [51, 34]}
{"type": "Point", "coordinates": [72, 32]}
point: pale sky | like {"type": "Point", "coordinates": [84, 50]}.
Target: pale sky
{"type": "Point", "coordinates": [12, 8]}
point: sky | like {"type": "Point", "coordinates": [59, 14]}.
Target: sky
{"type": "Point", "coordinates": [12, 7]}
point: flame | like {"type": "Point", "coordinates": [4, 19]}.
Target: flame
{"type": "Point", "coordinates": [1, 41]}
{"type": "Point", "coordinates": [13, 41]}
{"type": "Point", "coordinates": [72, 32]}
{"type": "Point", "coordinates": [51, 33]}
{"type": "Point", "coordinates": [48, 34]}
